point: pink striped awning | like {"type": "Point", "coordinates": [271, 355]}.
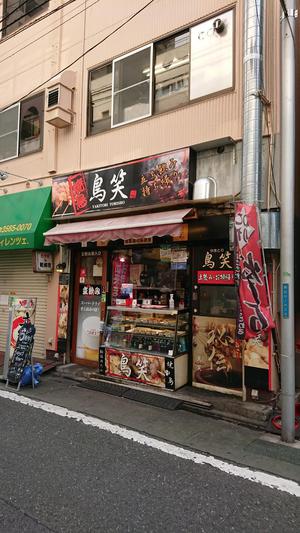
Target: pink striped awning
{"type": "Point", "coordinates": [111, 229]}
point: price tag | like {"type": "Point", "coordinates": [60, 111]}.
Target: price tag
{"type": "Point", "coordinates": [170, 352]}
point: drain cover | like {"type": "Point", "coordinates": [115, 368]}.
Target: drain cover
{"type": "Point", "coordinates": [107, 388]}
{"type": "Point", "coordinates": [157, 400]}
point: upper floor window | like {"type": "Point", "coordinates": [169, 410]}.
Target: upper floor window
{"type": "Point", "coordinates": [100, 99]}
{"type": "Point", "coordinates": [192, 64]}
{"type": "Point", "coordinates": [132, 86]}
{"type": "Point", "coordinates": [16, 13]}
{"type": "Point", "coordinates": [21, 128]}
{"type": "Point", "coordinates": [172, 72]}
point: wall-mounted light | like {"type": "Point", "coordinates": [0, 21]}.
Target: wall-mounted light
{"type": "Point", "coordinates": [60, 267]}
{"type": "Point", "coordinates": [4, 175]}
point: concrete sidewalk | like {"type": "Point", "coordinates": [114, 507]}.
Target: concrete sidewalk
{"type": "Point", "coordinates": [242, 445]}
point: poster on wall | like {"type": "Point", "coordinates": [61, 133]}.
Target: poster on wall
{"type": "Point", "coordinates": [217, 359]}
{"type": "Point", "coordinates": [20, 307]}
{"type": "Point", "coordinates": [120, 275]}
{"type": "Point", "coordinates": [89, 323]}
{"type": "Point", "coordinates": [148, 369]}
{"type": "Point", "coordinates": [63, 311]}
{"type": "Point", "coordinates": [152, 180]}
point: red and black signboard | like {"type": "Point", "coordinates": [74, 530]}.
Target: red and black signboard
{"type": "Point", "coordinates": [215, 266]}
{"type": "Point", "coordinates": [153, 180]}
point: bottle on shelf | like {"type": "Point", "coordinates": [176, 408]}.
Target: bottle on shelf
{"type": "Point", "coordinates": [171, 301]}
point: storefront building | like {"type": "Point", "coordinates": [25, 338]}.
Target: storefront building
{"type": "Point", "coordinates": [151, 295]}
{"type": "Point", "coordinates": [141, 140]}
{"type": "Point", "coordinates": [25, 265]}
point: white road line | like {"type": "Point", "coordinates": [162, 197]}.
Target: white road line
{"type": "Point", "coordinates": [268, 480]}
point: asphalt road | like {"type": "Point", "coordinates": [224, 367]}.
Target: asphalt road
{"type": "Point", "coordinates": [60, 475]}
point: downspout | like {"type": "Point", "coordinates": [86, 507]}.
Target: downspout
{"type": "Point", "coordinates": [287, 219]}
{"type": "Point", "coordinates": [253, 86]}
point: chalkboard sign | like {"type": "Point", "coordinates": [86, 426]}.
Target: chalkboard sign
{"type": "Point", "coordinates": [22, 353]}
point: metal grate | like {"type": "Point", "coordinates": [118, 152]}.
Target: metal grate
{"type": "Point", "coordinates": [107, 388]}
{"type": "Point", "coordinates": [53, 96]}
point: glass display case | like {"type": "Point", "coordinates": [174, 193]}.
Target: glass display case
{"type": "Point", "coordinates": [146, 345]}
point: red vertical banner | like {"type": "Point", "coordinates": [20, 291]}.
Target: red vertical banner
{"type": "Point", "coordinates": [253, 294]}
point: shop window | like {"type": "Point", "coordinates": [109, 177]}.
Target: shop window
{"type": "Point", "coordinates": [212, 56]}
{"type": "Point", "coordinates": [172, 72]}
{"type": "Point", "coordinates": [21, 127]}
{"type": "Point", "coordinates": [132, 86]}
{"type": "Point", "coordinates": [32, 112]}
{"type": "Point", "coordinates": [152, 275]}
{"type": "Point", "coordinates": [217, 300]}
{"type": "Point", "coordinates": [17, 13]}
{"type": "Point", "coordinates": [100, 84]}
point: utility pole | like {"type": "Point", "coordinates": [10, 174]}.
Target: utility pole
{"type": "Point", "coordinates": [287, 172]}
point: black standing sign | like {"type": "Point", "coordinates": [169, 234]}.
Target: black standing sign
{"type": "Point", "coordinates": [22, 353]}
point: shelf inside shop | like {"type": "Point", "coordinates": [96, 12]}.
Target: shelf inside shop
{"type": "Point", "coordinates": [166, 311]}
{"type": "Point", "coordinates": [143, 352]}
{"type": "Point", "coordinates": [161, 289]}
{"type": "Point", "coordinates": [148, 334]}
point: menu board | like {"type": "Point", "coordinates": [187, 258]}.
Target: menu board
{"type": "Point", "coordinates": [152, 180]}
{"type": "Point", "coordinates": [22, 353]}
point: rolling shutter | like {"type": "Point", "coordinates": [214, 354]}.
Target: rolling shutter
{"type": "Point", "coordinates": [16, 276]}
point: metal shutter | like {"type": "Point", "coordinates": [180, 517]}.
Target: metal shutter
{"type": "Point", "coordinates": [16, 276]}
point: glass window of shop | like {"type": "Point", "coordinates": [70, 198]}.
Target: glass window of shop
{"type": "Point", "coordinates": [172, 72]}
{"type": "Point", "coordinates": [155, 277]}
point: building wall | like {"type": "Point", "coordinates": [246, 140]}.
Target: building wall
{"type": "Point", "coordinates": [70, 149]}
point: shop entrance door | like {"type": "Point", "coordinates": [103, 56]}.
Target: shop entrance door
{"type": "Point", "coordinates": [89, 305]}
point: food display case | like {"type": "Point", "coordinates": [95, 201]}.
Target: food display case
{"type": "Point", "coordinates": [148, 346]}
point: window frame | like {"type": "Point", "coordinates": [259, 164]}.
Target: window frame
{"type": "Point", "coordinates": [120, 58]}
{"type": "Point", "coordinates": [18, 131]}
{"type": "Point", "coordinates": [42, 128]}
{"type": "Point", "coordinates": [4, 33]}
{"type": "Point", "coordinates": [88, 128]}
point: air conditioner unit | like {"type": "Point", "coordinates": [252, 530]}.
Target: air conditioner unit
{"type": "Point", "coordinates": [59, 99]}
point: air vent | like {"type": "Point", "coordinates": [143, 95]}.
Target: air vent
{"type": "Point", "coordinates": [53, 96]}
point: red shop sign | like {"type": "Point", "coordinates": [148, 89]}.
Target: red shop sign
{"type": "Point", "coordinates": [253, 294]}
{"type": "Point", "coordinates": [215, 277]}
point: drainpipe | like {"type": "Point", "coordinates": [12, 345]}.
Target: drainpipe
{"type": "Point", "coordinates": [253, 86]}
{"type": "Point", "coordinates": [287, 219]}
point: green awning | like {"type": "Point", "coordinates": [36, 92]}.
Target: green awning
{"type": "Point", "coordinates": [24, 217]}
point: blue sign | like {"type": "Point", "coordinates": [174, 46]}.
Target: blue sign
{"type": "Point", "coordinates": [285, 300]}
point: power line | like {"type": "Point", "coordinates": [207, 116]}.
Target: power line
{"type": "Point", "coordinates": [81, 55]}
{"type": "Point", "coordinates": [51, 30]}
{"type": "Point", "coordinates": [24, 14]}
{"type": "Point", "coordinates": [35, 21]}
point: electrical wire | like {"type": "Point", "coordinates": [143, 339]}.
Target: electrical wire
{"type": "Point", "coordinates": [81, 56]}
{"type": "Point", "coordinates": [35, 21]}
{"type": "Point", "coordinates": [53, 29]}
{"type": "Point", "coordinates": [4, 28]}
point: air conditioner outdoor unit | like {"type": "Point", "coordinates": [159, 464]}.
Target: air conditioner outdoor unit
{"type": "Point", "coordinates": [59, 98]}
